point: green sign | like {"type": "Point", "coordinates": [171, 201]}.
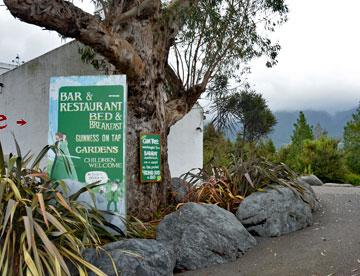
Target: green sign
{"type": "Point", "coordinates": [87, 121]}
{"type": "Point", "coordinates": [150, 158]}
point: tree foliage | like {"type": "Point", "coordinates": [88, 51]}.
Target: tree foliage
{"type": "Point", "coordinates": [264, 149]}
{"type": "Point", "coordinates": [323, 158]}
{"type": "Point", "coordinates": [218, 37]}
{"type": "Point", "coordinates": [319, 155]}
{"type": "Point", "coordinates": [319, 131]}
{"type": "Point", "coordinates": [352, 142]}
{"type": "Point", "coordinates": [220, 151]}
{"type": "Point", "coordinates": [302, 131]}
{"type": "Point", "coordinates": [245, 111]}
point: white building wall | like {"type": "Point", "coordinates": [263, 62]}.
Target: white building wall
{"type": "Point", "coordinates": [25, 95]}
{"type": "Point", "coordinates": [186, 143]}
{"type": "Point", "coordinates": [4, 67]}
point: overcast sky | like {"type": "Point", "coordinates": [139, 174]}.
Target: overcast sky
{"type": "Point", "coordinates": [318, 64]}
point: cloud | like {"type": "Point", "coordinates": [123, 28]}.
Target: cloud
{"type": "Point", "coordinates": [318, 63]}
{"type": "Point", "coordinates": [24, 39]}
{"type": "Point", "coordinates": [29, 41]}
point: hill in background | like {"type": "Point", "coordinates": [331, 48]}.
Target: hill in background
{"type": "Point", "coordinates": [281, 135]}
{"type": "Point", "coordinates": [332, 123]}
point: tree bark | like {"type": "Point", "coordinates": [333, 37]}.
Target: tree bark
{"type": "Point", "coordinates": [146, 114]}
{"type": "Point", "coordinates": [144, 199]}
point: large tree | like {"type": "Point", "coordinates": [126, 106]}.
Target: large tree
{"type": "Point", "coordinates": [247, 112]}
{"type": "Point", "coordinates": [139, 37]}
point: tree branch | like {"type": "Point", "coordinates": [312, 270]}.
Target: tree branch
{"type": "Point", "coordinates": [146, 9]}
{"type": "Point", "coordinates": [177, 108]}
{"type": "Point", "coordinates": [172, 17]}
{"type": "Point", "coordinates": [175, 5]}
{"type": "Point", "coordinates": [174, 83]}
{"type": "Point", "coordinates": [71, 21]}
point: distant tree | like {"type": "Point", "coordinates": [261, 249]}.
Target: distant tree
{"type": "Point", "coordinates": [302, 131]}
{"type": "Point", "coordinates": [217, 148]}
{"type": "Point", "coordinates": [246, 112]}
{"type": "Point", "coordinates": [352, 142]}
{"type": "Point", "coordinates": [319, 131]}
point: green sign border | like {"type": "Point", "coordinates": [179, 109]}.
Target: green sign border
{"type": "Point", "coordinates": [142, 180]}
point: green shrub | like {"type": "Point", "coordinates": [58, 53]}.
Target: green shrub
{"type": "Point", "coordinates": [217, 148]}
{"type": "Point", "coordinates": [266, 149]}
{"type": "Point", "coordinates": [42, 230]}
{"type": "Point", "coordinates": [352, 178]}
{"type": "Point", "coordinates": [282, 154]}
{"type": "Point", "coordinates": [322, 158]}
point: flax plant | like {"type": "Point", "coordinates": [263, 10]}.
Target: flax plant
{"type": "Point", "coordinates": [42, 230]}
{"type": "Point", "coordinates": [228, 187]}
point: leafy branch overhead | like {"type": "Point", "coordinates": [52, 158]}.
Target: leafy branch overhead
{"type": "Point", "coordinates": [218, 36]}
{"type": "Point", "coordinates": [192, 41]}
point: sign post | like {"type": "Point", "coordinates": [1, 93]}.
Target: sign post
{"type": "Point", "coordinates": [150, 157]}
{"type": "Point", "coordinates": [87, 121]}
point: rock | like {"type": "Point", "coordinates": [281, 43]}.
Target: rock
{"type": "Point", "coordinates": [311, 180]}
{"type": "Point", "coordinates": [274, 212]}
{"type": "Point", "coordinates": [134, 257]}
{"type": "Point", "coordinates": [204, 235]}
{"type": "Point", "coordinates": [335, 185]}
{"type": "Point", "coordinates": [180, 189]}
{"type": "Point", "coordinates": [309, 195]}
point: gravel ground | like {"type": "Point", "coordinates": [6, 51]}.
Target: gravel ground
{"type": "Point", "coordinates": [330, 247]}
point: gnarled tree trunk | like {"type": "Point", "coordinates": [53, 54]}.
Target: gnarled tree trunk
{"type": "Point", "coordinates": [143, 199]}
{"type": "Point", "coordinates": [146, 113]}
{"type": "Point", "coordinates": [135, 37]}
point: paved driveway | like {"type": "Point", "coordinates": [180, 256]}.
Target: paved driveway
{"type": "Point", "coordinates": [330, 247]}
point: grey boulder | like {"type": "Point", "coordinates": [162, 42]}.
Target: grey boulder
{"type": "Point", "coordinates": [180, 189]}
{"type": "Point", "coordinates": [134, 257]}
{"type": "Point", "coordinates": [204, 235]}
{"type": "Point", "coordinates": [312, 180]}
{"type": "Point", "coordinates": [338, 185]}
{"type": "Point", "coordinates": [309, 195]}
{"type": "Point", "coordinates": [274, 212]}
